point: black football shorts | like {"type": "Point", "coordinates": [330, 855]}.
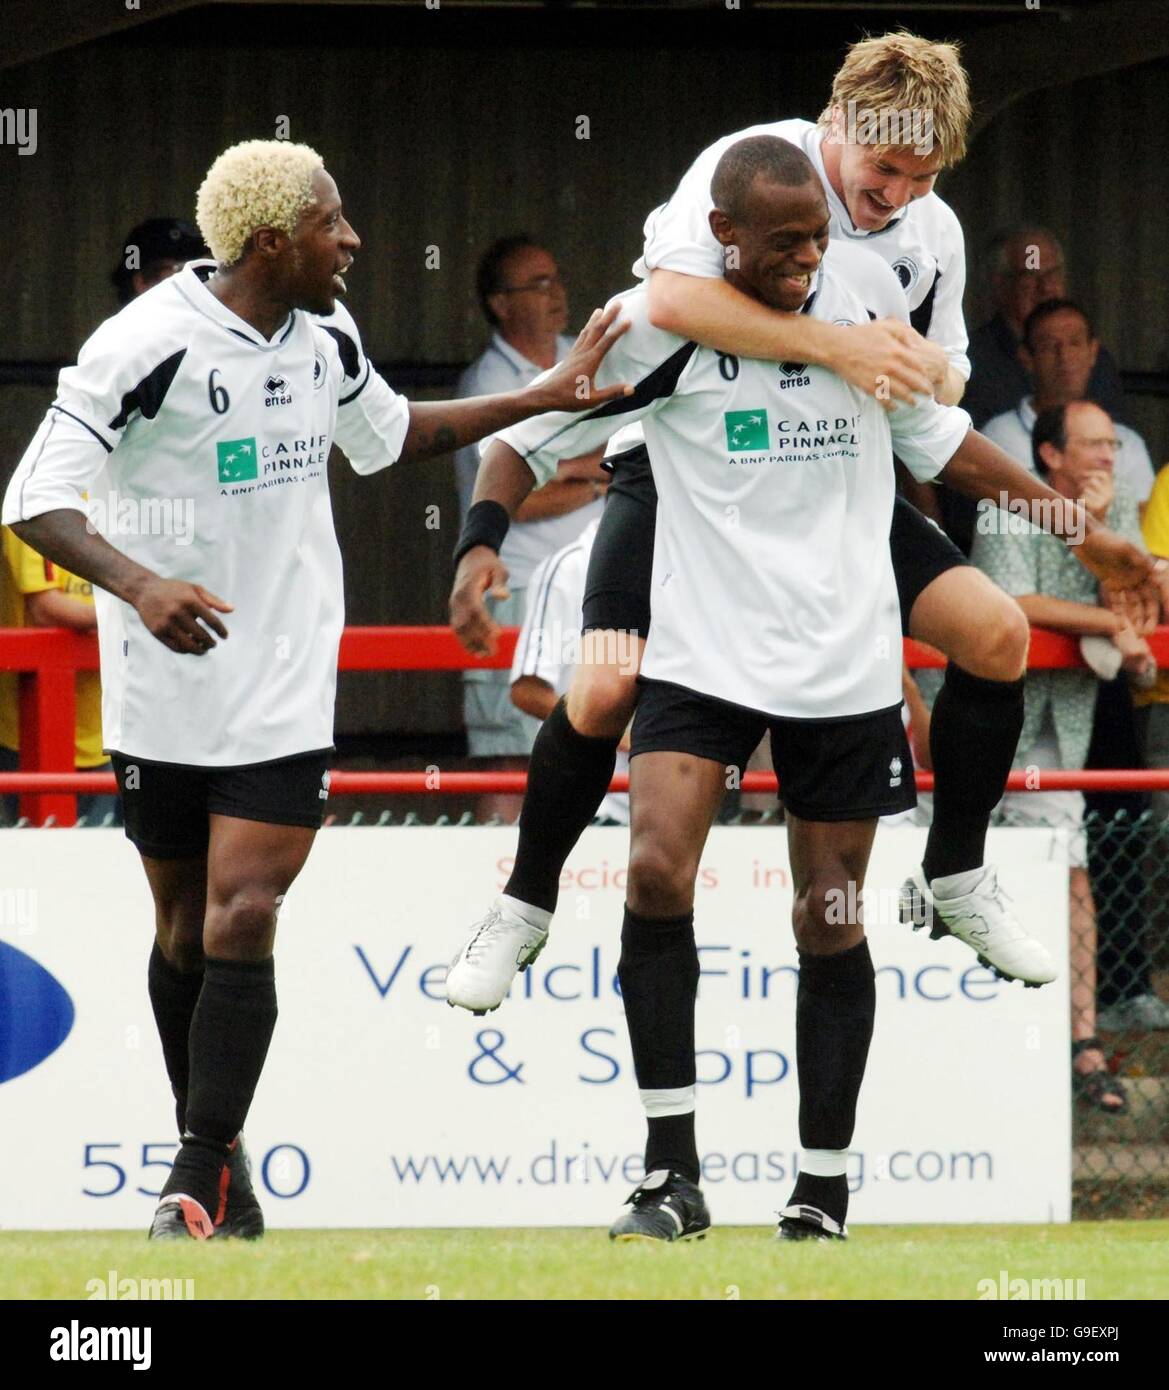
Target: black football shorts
{"type": "Point", "coordinates": [854, 768]}
{"type": "Point", "coordinates": [168, 805]}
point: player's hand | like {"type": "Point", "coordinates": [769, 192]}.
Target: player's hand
{"type": "Point", "coordinates": [570, 384]}
{"type": "Point", "coordinates": [179, 614]}
{"type": "Point", "coordinates": [585, 468]}
{"type": "Point", "coordinates": [1117, 563]}
{"type": "Point", "coordinates": [480, 572]}
{"type": "Point", "coordinates": [1140, 608]}
{"type": "Point", "coordinates": [889, 360]}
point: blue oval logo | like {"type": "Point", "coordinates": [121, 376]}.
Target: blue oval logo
{"type": "Point", "coordinates": [36, 1013]}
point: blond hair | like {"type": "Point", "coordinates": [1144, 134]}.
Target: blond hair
{"type": "Point", "coordinates": [904, 73]}
{"type": "Point", "coordinates": [258, 183]}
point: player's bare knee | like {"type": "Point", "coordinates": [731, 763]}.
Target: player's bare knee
{"type": "Point", "coordinates": [658, 884]}
{"type": "Point", "coordinates": [181, 944]}
{"type": "Point", "coordinates": [827, 915]}
{"type": "Point", "coordinates": [602, 703]}
{"type": "Point", "coordinates": [242, 925]}
{"type": "Point", "coordinates": [1003, 635]}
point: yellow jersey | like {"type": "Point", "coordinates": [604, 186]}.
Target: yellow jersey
{"type": "Point", "coordinates": [1155, 530]}
{"type": "Point", "coordinates": [23, 572]}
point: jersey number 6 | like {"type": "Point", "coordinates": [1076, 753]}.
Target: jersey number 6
{"type": "Point", "coordinates": [217, 395]}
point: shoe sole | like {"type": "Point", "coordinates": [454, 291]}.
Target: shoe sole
{"type": "Point", "coordinates": [907, 910]}
{"type": "Point", "coordinates": [632, 1238]}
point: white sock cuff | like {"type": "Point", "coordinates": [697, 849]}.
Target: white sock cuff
{"type": "Point", "coordinates": [957, 885]}
{"type": "Point", "coordinates": [679, 1101]}
{"type": "Point", "coordinates": [824, 1163]}
{"type": "Point", "coordinates": [533, 916]}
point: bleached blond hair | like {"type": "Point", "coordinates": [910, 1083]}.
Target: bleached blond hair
{"type": "Point", "coordinates": [903, 72]}
{"type": "Point", "coordinates": [257, 183]}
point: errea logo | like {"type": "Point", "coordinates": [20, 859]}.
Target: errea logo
{"type": "Point", "coordinates": [276, 391]}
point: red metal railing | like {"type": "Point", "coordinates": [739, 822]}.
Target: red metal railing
{"type": "Point", "coordinates": [48, 659]}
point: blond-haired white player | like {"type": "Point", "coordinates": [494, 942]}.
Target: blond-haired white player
{"type": "Point", "coordinates": [897, 115]}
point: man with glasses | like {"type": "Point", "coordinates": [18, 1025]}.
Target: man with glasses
{"type": "Point", "coordinates": [1060, 350]}
{"type": "Point", "coordinates": [524, 301]}
{"type": "Point", "coordinates": [1026, 267]}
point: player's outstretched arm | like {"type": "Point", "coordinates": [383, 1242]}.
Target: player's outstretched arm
{"type": "Point", "coordinates": [982, 470]}
{"type": "Point", "coordinates": [436, 427]}
{"type": "Point", "coordinates": [179, 614]}
{"type": "Point", "coordinates": [886, 358]}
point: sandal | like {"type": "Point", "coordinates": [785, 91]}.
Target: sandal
{"type": "Point", "coordinates": [1095, 1087]}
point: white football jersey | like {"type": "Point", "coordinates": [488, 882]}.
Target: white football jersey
{"type": "Point", "coordinates": [203, 448]}
{"type": "Point", "coordinates": [923, 244]}
{"type": "Point", "coordinates": [772, 582]}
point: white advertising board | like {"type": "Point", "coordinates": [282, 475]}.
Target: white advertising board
{"type": "Point", "coordinates": [381, 1106]}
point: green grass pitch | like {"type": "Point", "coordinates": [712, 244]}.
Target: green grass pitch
{"type": "Point", "coordinates": [1118, 1259]}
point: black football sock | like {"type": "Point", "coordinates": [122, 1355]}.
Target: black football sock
{"type": "Point", "coordinates": [974, 731]}
{"type": "Point", "coordinates": [658, 971]}
{"type": "Point", "coordinates": [230, 1033]}
{"type": "Point", "coordinates": [830, 1195]}
{"type": "Point", "coordinates": [568, 775]}
{"type": "Point", "coordinates": [835, 1005]}
{"type": "Point", "coordinates": [198, 1172]}
{"type": "Point", "coordinates": [173, 996]}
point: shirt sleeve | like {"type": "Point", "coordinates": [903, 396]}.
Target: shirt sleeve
{"type": "Point", "coordinates": [926, 436]}
{"type": "Point", "coordinates": [645, 357]}
{"type": "Point", "coordinates": [372, 418]}
{"type": "Point", "coordinates": [948, 322]}
{"type": "Point", "coordinates": [553, 619]}
{"type": "Point", "coordinates": [123, 373]}
{"type": "Point", "coordinates": [677, 234]}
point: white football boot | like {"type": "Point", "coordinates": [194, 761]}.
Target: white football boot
{"type": "Point", "coordinates": [983, 920]}
{"type": "Point", "coordinates": [499, 945]}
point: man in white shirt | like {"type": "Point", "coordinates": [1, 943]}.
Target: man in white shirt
{"type": "Point", "coordinates": [523, 299]}
{"type": "Point", "coordinates": [1060, 350]}
{"type": "Point", "coordinates": [548, 647]}
{"type": "Point", "coordinates": [217, 393]}
{"type": "Point", "coordinates": [775, 608]}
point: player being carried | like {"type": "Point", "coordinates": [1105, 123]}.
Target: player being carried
{"type": "Point", "coordinates": [880, 197]}
{"type": "Point", "coordinates": [774, 608]}
{"type": "Point", "coordinates": [217, 387]}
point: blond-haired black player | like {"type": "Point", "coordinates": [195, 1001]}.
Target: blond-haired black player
{"type": "Point", "coordinates": [219, 387]}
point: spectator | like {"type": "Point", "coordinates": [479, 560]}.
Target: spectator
{"type": "Point", "coordinates": [1026, 267]}
{"type": "Point", "coordinates": [524, 302]}
{"type": "Point", "coordinates": [549, 647]}
{"type": "Point", "coordinates": [153, 251]}
{"type": "Point", "coordinates": [1060, 350]}
{"type": "Point", "coordinates": [1073, 447]}
{"type": "Point", "coordinates": [36, 593]}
